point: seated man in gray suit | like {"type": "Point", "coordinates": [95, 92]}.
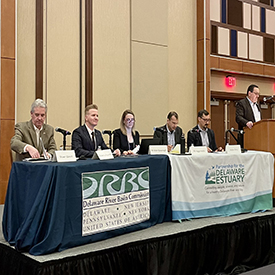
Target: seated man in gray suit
{"type": "Point", "coordinates": [86, 139]}
{"type": "Point", "coordinates": [26, 141]}
{"type": "Point", "coordinates": [170, 133]}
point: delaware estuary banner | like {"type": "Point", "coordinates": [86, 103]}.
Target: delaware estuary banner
{"type": "Point", "coordinates": [221, 184]}
{"type": "Point", "coordinates": [114, 199]}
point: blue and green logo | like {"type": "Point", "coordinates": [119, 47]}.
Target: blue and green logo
{"type": "Point", "coordinates": [105, 183]}
{"type": "Point", "coordinates": [221, 174]}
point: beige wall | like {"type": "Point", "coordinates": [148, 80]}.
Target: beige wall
{"type": "Point", "coordinates": [182, 60]}
{"type": "Point", "coordinates": [25, 51]}
{"type": "Point", "coordinates": [62, 59]}
{"type": "Point", "coordinates": [111, 67]}
{"type": "Point", "coordinates": [144, 59]}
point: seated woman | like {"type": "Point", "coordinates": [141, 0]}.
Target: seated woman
{"type": "Point", "coordinates": [126, 138]}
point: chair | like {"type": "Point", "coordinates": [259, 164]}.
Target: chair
{"type": "Point", "coordinates": [109, 133]}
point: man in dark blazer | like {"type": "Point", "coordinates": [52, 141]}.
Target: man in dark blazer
{"type": "Point", "coordinates": [248, 110]}
{"type": "Point", "coordinates": [201, 135]}
{"type": "Point", "coordinates": [170, 133]}
{"type": "Point", "coordinates": [26, 140]}
{"type": "Point", "coordinates": [86, 139]}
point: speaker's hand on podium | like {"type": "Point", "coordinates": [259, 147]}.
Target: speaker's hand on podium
{"type": "Point", "coordinates": [249, 124]}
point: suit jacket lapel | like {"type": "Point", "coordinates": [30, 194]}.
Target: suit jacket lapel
{"type": "Point", "coordinates": [249, 108]}
{"type": "Point", "coordinates": [165, 140]}
{"type": "Point", "coordinates": [209, 137]}
{"type": "Point", "coordinates": [32, 134]}
{"type": "Point", "coordinates": [177, 135]}
{"type": "Point", "coordinates": [89, 139]}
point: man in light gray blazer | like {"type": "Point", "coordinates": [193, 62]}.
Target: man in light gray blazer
{"type": "Point", "coordinates": [26, 141]}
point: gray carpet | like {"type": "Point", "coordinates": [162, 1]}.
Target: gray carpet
{"type": "Point", "coordinates": [159, 230]}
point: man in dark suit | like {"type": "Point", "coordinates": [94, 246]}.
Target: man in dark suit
{"type": "Point", "coordinates": [170, 133]}
{"type": "Point", "coordinates": [201, 135]}
{"type": "Point", "coordinates": [248, 110]}
{"type": "Point", "coordinates": [26, 140]}
{"type": "Point", "coordinates": [86, 139]}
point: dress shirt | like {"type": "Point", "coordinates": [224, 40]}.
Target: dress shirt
{"type": "Point", "coordinates": [92, 135]}
{"type": "Point", "coordinates": [204, 137]}
{"type": "Point", "coordinates": [37, 131]}
{"type": "Point", "coordinates": [170, 137]}
{"type": "Point", "coordinates": [255, 110]}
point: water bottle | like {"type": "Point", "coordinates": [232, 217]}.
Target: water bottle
{"type": "Point", "coordinates": [182, 145]}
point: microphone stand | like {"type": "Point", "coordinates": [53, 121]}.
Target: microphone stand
{"type": "Point", "coordinates": [64, 141]}
{"type": "Point", "coordinates": [239, 140]}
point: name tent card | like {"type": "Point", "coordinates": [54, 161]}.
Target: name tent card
{"type": "Point", "coordinates": [198, 150]}
{"type": "Point", "coordinates": [65, 155]}
{"type": "Point", "coordinates": [233, 149]}
{"type": "Point", "coordinates": [157, 150]}
{"type": "Point", "coordinates": [103, 154]}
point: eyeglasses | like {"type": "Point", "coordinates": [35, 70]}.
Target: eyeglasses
{"type": "Point", "coordinates": [130, 119]}
{"type": "Point", "coordinates": [206, 119]}
{"type": "Point", "coordinates": [258, 94]}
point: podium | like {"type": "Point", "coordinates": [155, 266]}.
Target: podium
{"type": "Point", "coordinates": [261, 138]}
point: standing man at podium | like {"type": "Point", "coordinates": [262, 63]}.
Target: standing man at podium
{"type": "Point", "coordinates": [248, 110]}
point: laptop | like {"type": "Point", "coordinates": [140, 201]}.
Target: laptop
{"type": "Point", "coordinates": [145, 143]}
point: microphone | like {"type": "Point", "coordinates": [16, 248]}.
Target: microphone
{"type": "Point", "coordinates": [267, 98]}
{"type": "Point", "coordinates": [236, 130]}
{"type": "Point", "coordinates": [160, 129]}
{"type": "Point", "coordinates": [107, 132]}
{"type": "Point", "coordinates": [62, 131]}
{"type": "Point", "coordinates": [194, 130]}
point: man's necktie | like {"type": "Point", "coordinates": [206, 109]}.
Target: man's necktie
{"type": "Point", "coordinates": [37, 131]}
{"type": "Point", "coordinates": [93, 139]}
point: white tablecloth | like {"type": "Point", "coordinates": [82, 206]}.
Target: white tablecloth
{"type": "Point", "coordinates": [220, 184]}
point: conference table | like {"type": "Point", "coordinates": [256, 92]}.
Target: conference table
{"type": "Point", "coordinates": [48, 209]}
{"type": "Point", "coordinates": [53, 206]}
{"type": "Point", "coordinates": [220, 184]}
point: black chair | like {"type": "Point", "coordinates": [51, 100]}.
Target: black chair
{"type": "Point", "coordinates": [109, 133]}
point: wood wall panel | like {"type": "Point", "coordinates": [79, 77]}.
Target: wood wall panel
{"type": "Point", "coordinates": [8, 28]}
{"type": "Point", "coordinates": [214, 62]}
{"type": "Point", "coordinates": [203, 77]}
{"type": "Point", "coordinates": [39, 50]}
{"type": "Point", "coordinates": [200, 61]}
{"type": "Point", "coordinates": [88, 52]}
{"type": "Point", "coordinates": [7, 89]}
{"type": "Point", "coordinates": [7, 126]}
{"type": "Point", "coordinates": [269, 70]}
{"type": "Point", "coordinates": [230, 64]}
{"type": "Point", "coordinates": [7, 93]}
{"type": "Point", "coordinates": [200, 20]}
{"type": "Point", "coordinates": [200, 95]}
{"type": "Point", "coordinates": [255, 69]}
{"type": "Point", "coordinates": [225, 64]}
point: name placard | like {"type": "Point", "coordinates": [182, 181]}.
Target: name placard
{"type": "Point", "coordinates": [233, 149]}
{"type": "Point", "coordinates": [196, 150]}
{"type": "Point", "coordinates": [157, 150]}
{"type": "Point", "coordinates": [103, 154]}
{"type": "Point", "coordinates": [65, 155]}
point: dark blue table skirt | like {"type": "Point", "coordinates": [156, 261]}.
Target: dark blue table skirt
{"type": "Point", "coordinates": [43, 207]}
